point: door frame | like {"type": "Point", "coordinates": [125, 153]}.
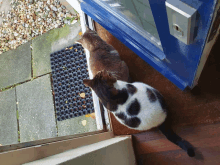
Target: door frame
{"type": "Point", "coordinates": [210, 41]}
{"type": "Point", "coordinates": [45, 148]}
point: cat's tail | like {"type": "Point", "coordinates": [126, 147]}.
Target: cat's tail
{"type": "Point", "coordinates": [173, 137]}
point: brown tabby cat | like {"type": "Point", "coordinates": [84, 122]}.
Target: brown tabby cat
{"type": "Point", "coordinates": [103, 56]}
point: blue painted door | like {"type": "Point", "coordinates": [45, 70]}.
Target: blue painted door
{"type": "Point", "coordinates": [142, 25]}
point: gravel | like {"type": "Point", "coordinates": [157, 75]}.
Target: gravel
{"type": "Point", "coordinates": [29, 18]}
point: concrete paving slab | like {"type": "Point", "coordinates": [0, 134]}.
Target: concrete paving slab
{"type": "Point", "coordinates": [15, 66]}
{"type": "Point", "coordinates": [8, 119]}
{"type": "Point", "coordinates": [75, 126]}
{"type": "Point", "coordinates": [36, 110]}
{"type": "Point", "coordinates": [50, 42]}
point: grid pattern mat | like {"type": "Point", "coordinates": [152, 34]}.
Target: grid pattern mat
{"type": "Point", "coordinates": [69, 68]}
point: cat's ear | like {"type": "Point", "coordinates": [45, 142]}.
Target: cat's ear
{"type": "Point", "coordinates": [88, 83]}
{"type": "Point", "coordinates": [79, 41]}
{"type": "Point", "coordinates": [111, 78]}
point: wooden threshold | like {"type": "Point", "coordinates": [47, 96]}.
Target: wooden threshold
{"type": "Point", "coordinates": [153, 148]}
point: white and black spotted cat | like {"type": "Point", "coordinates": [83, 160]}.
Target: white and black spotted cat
{"type": "Point", "coordinates": [135, 105]}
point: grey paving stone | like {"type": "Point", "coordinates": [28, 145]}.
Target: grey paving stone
{"type": "Point", "coordinates": [8, 119]}
{"type": "Point", "coordinates": [36, 110]}
{"type": "Point", "coordinates": [15, 66]}
{"type": "Point", "coordinates": [74, 126]}
{"type": "Point", "coordinates": [50, 42]}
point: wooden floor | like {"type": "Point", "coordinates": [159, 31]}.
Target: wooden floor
{"type": "Point", "coordinates": [153, 148]}
{"type": "Point", "coordinates": [194, 114]}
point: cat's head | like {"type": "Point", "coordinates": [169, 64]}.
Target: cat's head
{"type": "Point", "coordinates": [89, 40]}
{"type": "Point", "coordinates": [102, 83]}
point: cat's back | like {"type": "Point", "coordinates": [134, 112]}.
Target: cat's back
{"type": "Point", "coordinates": [144, 105]}
{"type": "Point", "coordinates": [109, 59]}
{"type": "Point", "coordinates": [103, 56]}
{"type": "Point", "coordinates": [149, 97]}
{"type": "Point", "coordinates": [146, 96]}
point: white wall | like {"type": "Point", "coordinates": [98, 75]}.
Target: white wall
{"type": "Point", "coordinates": [115, 151]}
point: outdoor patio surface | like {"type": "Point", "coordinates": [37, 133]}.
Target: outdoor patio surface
{"type": "Point", "coordinates": [27, 110]}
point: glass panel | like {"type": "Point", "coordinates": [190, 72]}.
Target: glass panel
{"type": "Point", "coordinates": [42, 95]}
{"type": "Point", "coordinates": [138, 13]}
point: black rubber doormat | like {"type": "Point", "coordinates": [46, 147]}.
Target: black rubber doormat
{"type": "Point", "coordinates": [69, 68]}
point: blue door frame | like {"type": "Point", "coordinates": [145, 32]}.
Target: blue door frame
{"type": "Point", "coordinates": [178, 62]}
